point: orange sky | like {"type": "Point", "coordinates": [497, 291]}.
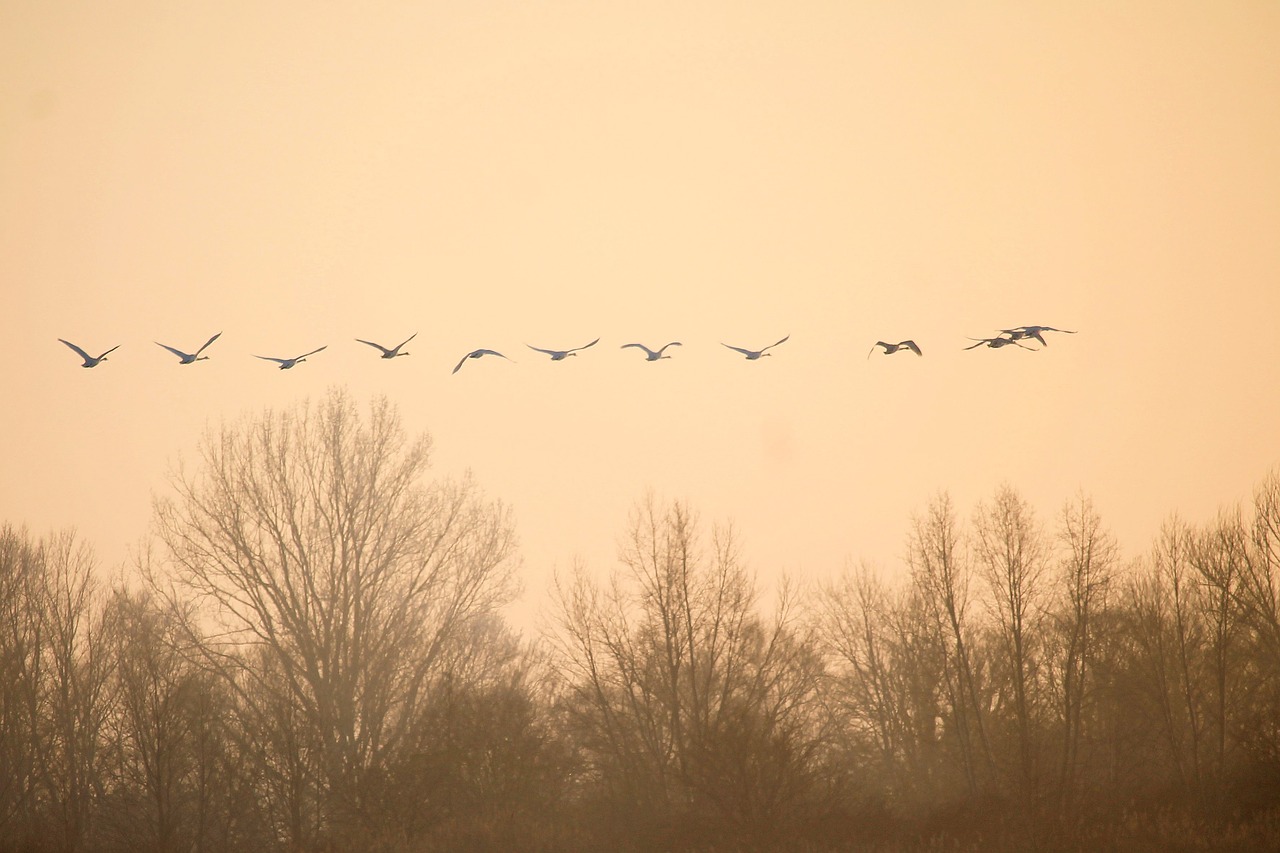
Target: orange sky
{"type": "Point", "coordinates": [495, 174]}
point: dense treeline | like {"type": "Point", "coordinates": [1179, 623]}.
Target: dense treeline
{"type": "Point", "coordinates": [311, 658]}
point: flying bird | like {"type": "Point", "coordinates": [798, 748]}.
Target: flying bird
{"type": "Point", "coordinates": [652, 355]}
{"type": "Point", "coordinates": [187, 357]}
{"type": "Point", "coordinates": [90, 361]}
{"type": "Point", "coordinates": [753, 354]}
{"type": "Point", "coordinates": [561, 355]}
{"type": "Point", "coordinates": [390, 353]}
{"type": "Point", "coordinates": [996, 343]}
{"type": "Point", "coordinates": [477, 353]}
{"type": "Point", "coordinates": [286, 363]}
{"type": "Point", "coordinates": [890, 349]}
{"type": "Point", "coordinates": [1033, 332]}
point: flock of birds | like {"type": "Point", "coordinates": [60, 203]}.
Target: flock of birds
{"type": "Point", "coordinates": [1007, 337]}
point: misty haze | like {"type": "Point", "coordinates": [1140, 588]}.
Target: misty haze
{"type": "Point", "coordinates": [591, 426]}
{"type": "Point", "coordinates": [314, 658]}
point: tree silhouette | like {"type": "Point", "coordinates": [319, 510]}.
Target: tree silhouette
{"type": "Point", "coordinates": [698, 718]}
{"type": "Point", "coordinates": [311, 539]}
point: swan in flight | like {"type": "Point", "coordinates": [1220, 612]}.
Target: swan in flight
{"type": "Point", "coordinates": [1033, 332]}
{"type": "Point", "coordinates": [890, 349]}
{"type": "Point", "coordinates": [652, 355]}
{"type": "Point", "coordinates": [90, 361]}
{"type": "Point", "coordinates": [390, 353]}
{"type": "Point", "coordinates": [996, 343]}
{"type": "Point", "coordinates": [753, 354]}
{"type": "Point", "coordinates": [477, 353]}
{"type": "Point", "coordinates": [561, 355]}
{"type": "Point", "coordinates": [187, 357]}
{"type": "Point", "coordinates": [286, 363]}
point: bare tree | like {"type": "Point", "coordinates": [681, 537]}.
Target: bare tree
{"type": "Point", "coordinates": [151, 724]}
{"type": "Point", "coordinates": [1151, 661]}
{"type": "Point", "coordinates": [311, 537]}
{"type": "Point", "coordinates": [1169, 630]}
{"type": "Point", "coordinates": [1012, 554]}
{"type": "Point", "coordinates": [1258, 591]}
{"type": "Point", "coordinates": [694, 710]}
{"type": "Point", "coordinates": [56, 691]}
{"type": "Point", "coordinates": [1259, 582]}
{"type": "Point", "coordinates": [1087, 566]}
{"type": "Point", "coordinates": [174, 777]}
{"type": "Point", "coordinates": [889, 672]}
{"type": "Point", "coordinates": [941, 574]}
{"type": "Point", "coordinates": [484, 767]}
{"type": "Point", "coordinates": [282, 751]}
{"type": "Point", "coordinates": [21, 684]}
{"type": "Point", "coordinates": [1220, 555]}
{"type": "Point", "coordinates": [77, 701]}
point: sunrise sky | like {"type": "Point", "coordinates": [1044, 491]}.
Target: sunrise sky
{"type": "Point", "coordinates": [496, 174]}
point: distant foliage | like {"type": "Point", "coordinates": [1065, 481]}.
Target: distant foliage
{"type": "Point", "coordinates": [316, 662]}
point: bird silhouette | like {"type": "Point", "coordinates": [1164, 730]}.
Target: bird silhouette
{"type": "Point", "coordinates": [1033, 332]}
{"type": "Point", "coordinates": [90, 361]}
{"type": "Point", "coordinates": [652, 355]}
{"type": "Point", "coordinates": [187, 357]}
{"type": "Point", "coordinates": [561, 354]}
{"type": "Point", "coordinates": [286, 363]}
{"type": "Point", "coordinates": [890, 349]}
{"type": "Point", "coordinates": [753, 354]}
{"type": "Point", "coordinates": [996, 343]}
{"type": "Point", "coordinates": [477, 353]}
{"type": "Point", "coordinates": [389, 353]}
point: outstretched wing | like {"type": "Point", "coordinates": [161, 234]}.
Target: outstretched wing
{"type": "Point", "coordinates": [979, 343]}
{"type": "Point", "coordinates": [771, 346]}
{"type": "Point", "coordinates": [476, 354]}
{"type": "Point", "coordinates": [276, 360]}
{"type": "Point", "coordinates": [108, 352]}
{"type": "Point", "coordinates": [877, 344]}
{"type": "Point", "coordinates": [738, 349]}
{"type": "Point", "coordinates": [313, 352]}
{"type": "Point", "coordinates": [584, 346]}
{"type": "Point", "coordinates": [179, 353]}
{"type": "Point", "coordinates": [536, 349]}
{"type": "Point", "coordinates": [385, 351]}
{"type": "Point", "coordinates": [77, 350]}
{"type": "Point", "coordinates": [911, 345]}
{"type": "Point", "coordinates": [206, 344]}
{"type": "Point", "coordinates": [672, 344]}
{"type": "Point", "coordinates": [406, 340]}
{"type": "Point", "coordinates": [645, 348]}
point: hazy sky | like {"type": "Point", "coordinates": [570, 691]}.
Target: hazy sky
{"type": "Point", "coordinates": [491, 174]}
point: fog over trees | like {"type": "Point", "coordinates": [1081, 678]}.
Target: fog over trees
{"type": "Point", "coordinates": [309, 656]}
